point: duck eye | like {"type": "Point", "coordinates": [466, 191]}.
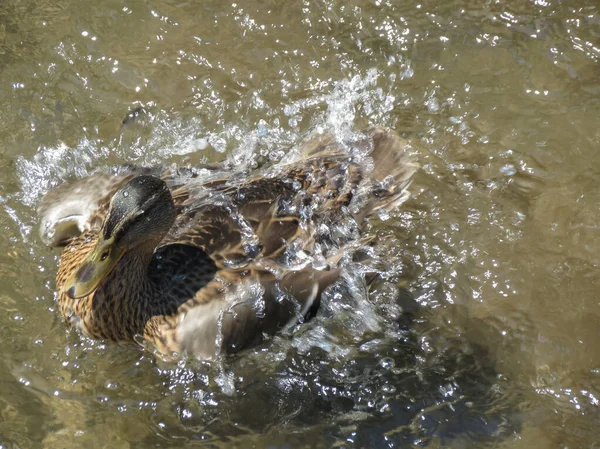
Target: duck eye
{"type": "Point", "coordinates": [104, 255]}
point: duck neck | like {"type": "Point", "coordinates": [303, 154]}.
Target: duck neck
{"type": "Point", "coordinates": [128, 297]}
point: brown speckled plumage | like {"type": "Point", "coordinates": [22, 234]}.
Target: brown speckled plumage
{"type": "Point", "coordinates": [219, 280]}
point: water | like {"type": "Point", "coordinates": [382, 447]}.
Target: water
{"type": "Point", "coordinates": [498, 246]}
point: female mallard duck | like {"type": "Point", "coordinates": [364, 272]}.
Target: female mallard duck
{"type": "Point", "coordinates": [201, 267]}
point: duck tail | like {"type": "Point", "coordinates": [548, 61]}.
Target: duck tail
{"type": "Point", "coordinates": [392, 173]}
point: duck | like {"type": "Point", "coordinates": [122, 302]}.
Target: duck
{"type": "Point", "coordinates": [205, 261]}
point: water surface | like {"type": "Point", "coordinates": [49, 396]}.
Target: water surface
{"type": "Point", "coordinates": [498, 246]}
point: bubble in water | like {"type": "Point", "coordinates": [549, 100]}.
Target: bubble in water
{"type": "Point", "coordinates": [432, 104]}
{"type": "Point", "coordinates": [508, 170]}
{"type": "Point", "coordinates": [388, 388]}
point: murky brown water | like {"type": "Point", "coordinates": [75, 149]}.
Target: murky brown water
{"type": "Point", "coordinates": [500, 244]}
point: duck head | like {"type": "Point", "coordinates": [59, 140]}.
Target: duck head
{"type": "Point", "coordinates": [139, 216]}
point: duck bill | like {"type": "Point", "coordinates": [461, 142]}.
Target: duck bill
{"type": "Point", "coordinates": [93, 270]}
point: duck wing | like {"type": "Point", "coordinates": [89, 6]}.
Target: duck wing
{"type": "Point", "coordinates": [256, 231]}
{"type": "Point", "coordinates": [237, 220]}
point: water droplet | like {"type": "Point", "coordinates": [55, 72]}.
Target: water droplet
{"type": "Point", "coordinates": [261, 127]}
{"type": "Point", "coordinates": [125, 193]}
{"type": "Point", "coordinates": [386, 363]}
{"type": "Point", "coordinates": [383, 214]}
